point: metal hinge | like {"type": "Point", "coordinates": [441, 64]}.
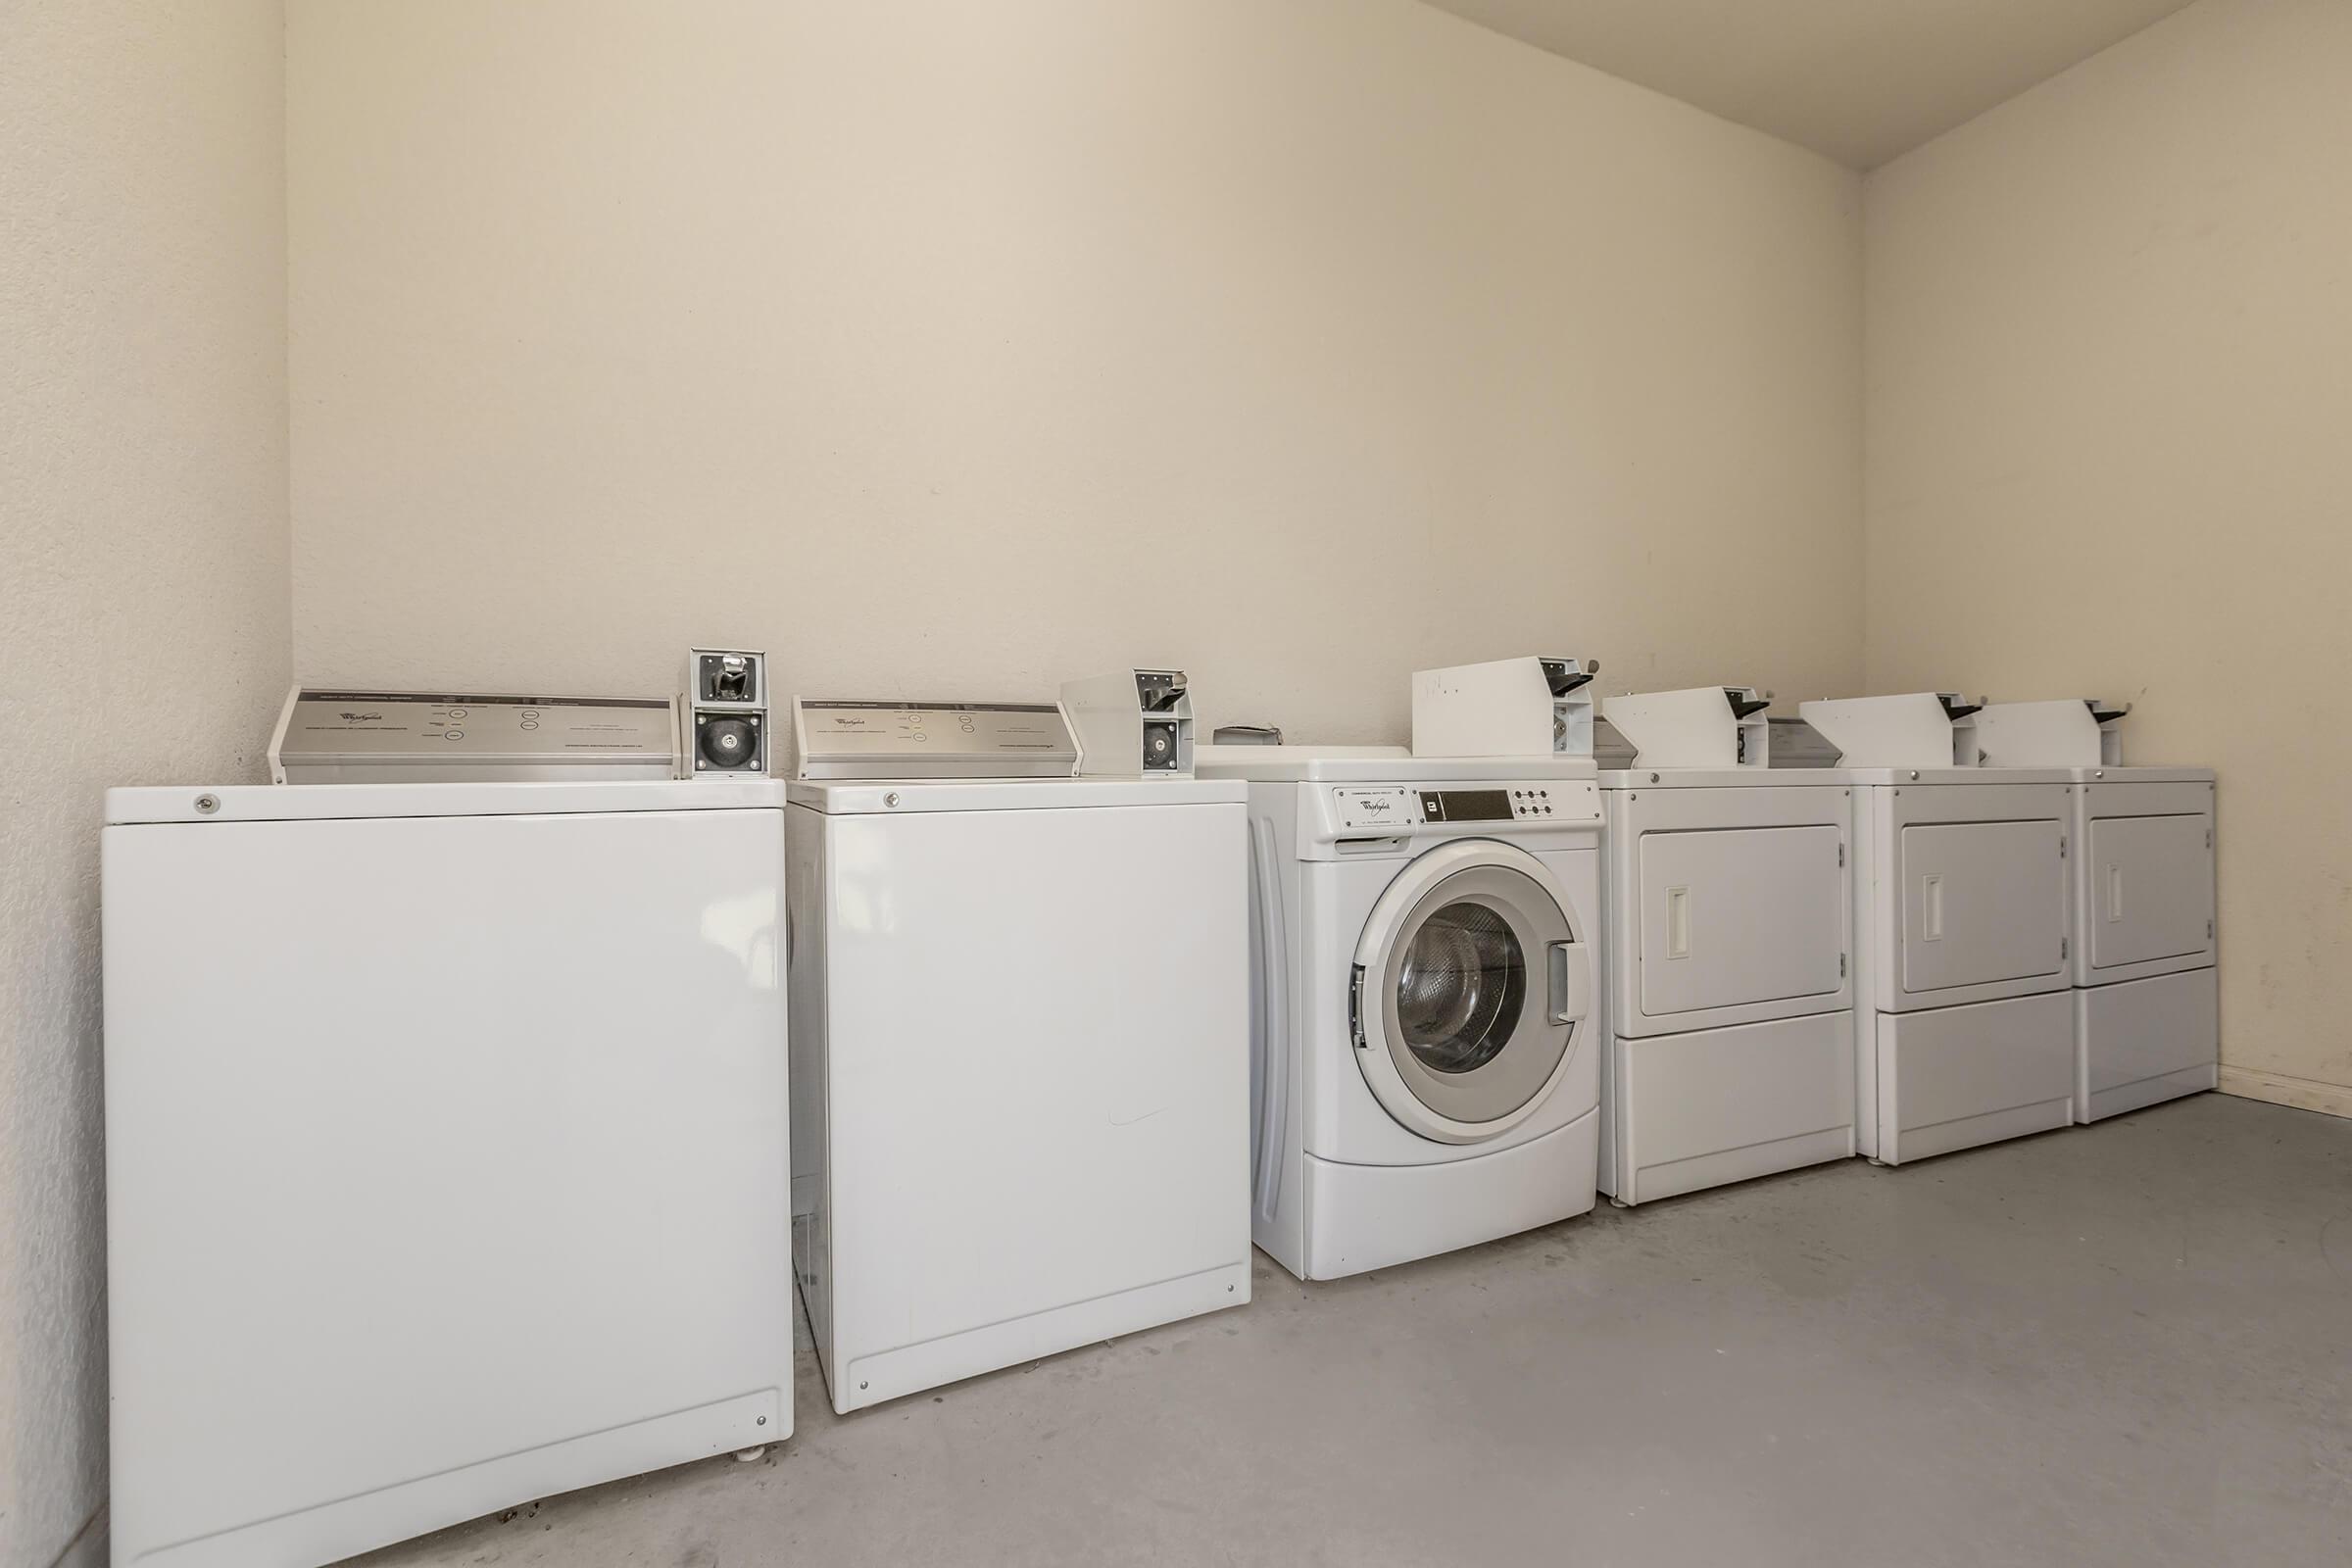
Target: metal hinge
{"type": "Point", "coordinates": [2209, 930]}
{"type": "Point", "coordinates": [2209, 838]}
{"type": "Point", "coordinates": [1841, 966]}
{"type": "Point", "coordinates": [2062, 846]}
{"type": "Point", "coordinates": [1841, 854]}
{"type": "Point", "coordinates": [2062, 944]}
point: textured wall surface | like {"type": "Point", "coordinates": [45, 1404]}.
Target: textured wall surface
{"type": "Point", "coordinates": [143, 594]}
{"type": "Point", "coordinates": [2110, 329]}
{"type": "Point", "coordinates": [956, 350]}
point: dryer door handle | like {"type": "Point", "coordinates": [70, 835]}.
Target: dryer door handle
{"type": "Point", "coordinates": [1571, 975]}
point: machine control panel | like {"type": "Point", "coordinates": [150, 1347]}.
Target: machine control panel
{"type": "Point", "coordinates": [1398, 809]}
{"type": "Point", "coordinates": [849, 740]}
{"type": "Point", "coordinates": [1525, 804]}
{"type": "Point", "coordinates": [364, 737]}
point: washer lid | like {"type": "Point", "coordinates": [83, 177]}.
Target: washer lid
{"type": "Point", "coordinates": [322, 803]}
{"type": "Point", "coordinates": [899, 796]}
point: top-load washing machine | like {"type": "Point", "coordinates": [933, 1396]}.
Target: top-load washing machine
{"type": "Point", "coordinates": [1426, 1063]}
{"type": "Point", "coordinates": [1728, 939]}
{"type": "Point", "coordinates": [1963, 910]}
{"type": "Point", "coordinates": [445, 1125]}
{"type": "Point", "coordinates": [1021, 1031]}
{"type": "Point", "coordinates": [2147, 1024]}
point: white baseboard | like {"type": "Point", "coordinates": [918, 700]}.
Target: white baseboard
{"type": "Point", "coordinates": [89, 1548]}
{"type": "Point", "coordinates": [2304, 1094]}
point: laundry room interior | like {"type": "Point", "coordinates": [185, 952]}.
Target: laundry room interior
{"type": "Point", "coordinates": [1271, 781]}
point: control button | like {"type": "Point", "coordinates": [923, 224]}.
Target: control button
{"type": "Point", "coordinates": [531, 723]}
{"type": "Point", "coordinates": [530, 713]}
{"type": "Point", "coordinates": [457, 712]}
{"type": "Point", "coordinates": [453, 735]}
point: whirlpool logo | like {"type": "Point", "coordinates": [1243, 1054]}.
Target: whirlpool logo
{"type": "Point", "coordinates": [1378, 804]}
{"type": "Point", "coordinates": [350, 717]}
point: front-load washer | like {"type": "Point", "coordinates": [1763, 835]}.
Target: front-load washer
{"type": "Point", "coordinates": [1964, 903]}
{"type": "Point", "coordinates": [1728, 937]}
{"type": "Point", "coordinates": [445, 1139]}
{"type": "Point", "coordinates": [1020, 1040]}
{"type": "Point", "coordinates": [1426, 1065]}
{"type": "Point", "coordinates": [2147, 1005]}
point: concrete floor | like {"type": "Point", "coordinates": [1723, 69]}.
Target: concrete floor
{"type": "Point", "coordinates": [2126, 1344]}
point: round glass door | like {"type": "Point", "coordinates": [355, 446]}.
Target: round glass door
{"type": "Point", "coordinates": [1461, 988]}
{"type": "Point", "coordinates": [1470, 982]}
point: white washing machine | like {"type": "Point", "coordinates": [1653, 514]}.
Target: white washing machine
{"type": "Point", "coordinates": [2147, 1003]}
{"type": "Point", "coordinates": [1020, 1039]}
{"type": "Point", "coordinates": [446, 1145]}
{"type": "Point", "coordinates": [1962, 908]}
{"type": "Point", "coordinates": [1728, 939]}
{"type": "Point", "coordinates": [1426, 1063]}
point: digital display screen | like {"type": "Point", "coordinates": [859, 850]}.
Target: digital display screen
{"type": "Point", "coordinates": [1465, 806]}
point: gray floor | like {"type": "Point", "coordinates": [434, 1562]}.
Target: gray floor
{"type": "Point", "coordinates": [2124, 1343]}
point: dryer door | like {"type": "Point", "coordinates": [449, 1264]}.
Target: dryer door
{"type": "Point", "coordinates": [1738, 915]}
{"type": "Point", "coordinates": [1986, 903]}
{"type": "Point", "coordinates": [1470, 984]}
{"type": "Point", "coordinates": [2151, 889]}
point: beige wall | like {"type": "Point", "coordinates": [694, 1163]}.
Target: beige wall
{"type": "Point", "coordinates": [2109, 386]}
{"type": "Point", "coordinates": [143, 588]}
{"type": "Point", "coordinates": [956, 350]}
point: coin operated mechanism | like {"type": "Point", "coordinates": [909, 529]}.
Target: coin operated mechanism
{"type": "Point", "coordinates": [1532, 706]}
{"type": "Point", "coordinates": [1702, 727]}
{"type": "Point", "coordinates": [724, 714]}
{"type": "Point", "coordinates": [1130, 723]}
{"type": "Point", "coordinates": [1915, 730]}
{"type": "Point", "coordinates": [2070, 732]}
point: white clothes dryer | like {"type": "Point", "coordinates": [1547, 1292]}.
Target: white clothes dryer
{"type": "Point", "coordinates": [1729, 935]}
{"type": "Point", "coordinates": [2147, 1002]}
{"type": "Point", "coordinates": [1425, 1059]}
{"type": "Point", "coordinates": [1963, 907]}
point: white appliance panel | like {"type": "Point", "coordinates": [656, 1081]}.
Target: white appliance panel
{"type": "Point", "coordinates": [1377, 1216]}
{"type": "Point", "coordinates": [2151, 888]}
{"type": "Point", "coordinates": [1037, 1092]}
{"type": "Point", "coordinates": [1713, 1105]}
{"type": "Point", "coordinates": [1740, 915]}
{"type": "Point", "coordinates": [2145, 1041]}
{"type": "Point", "coordinates": [446, 1168]}
{"type": "Point", "coordinates": [1952, 1078]}
{"type": "Point", "coordinates": [1984, 902]}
